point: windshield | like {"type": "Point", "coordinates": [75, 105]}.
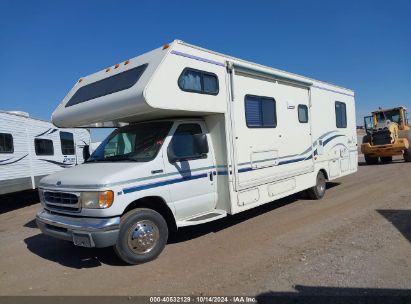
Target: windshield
{"type": "Point", "coordinates": [393, 116]}
{"type": "Point", "coordinates": [139, 143]}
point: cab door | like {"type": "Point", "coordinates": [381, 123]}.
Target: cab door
{"type": "Point", "coordinates": [191, 170]}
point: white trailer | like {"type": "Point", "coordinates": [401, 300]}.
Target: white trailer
{"type": "Point", "coordinates": [200, 135]}
{"type": "Point", "coordinates": [32, 148]}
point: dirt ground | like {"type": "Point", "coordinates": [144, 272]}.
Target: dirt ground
{"type": "Point", "coordinates": [356, 239]}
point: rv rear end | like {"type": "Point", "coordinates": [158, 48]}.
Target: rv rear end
{"type": "Point", "coordinates": [199, 135]}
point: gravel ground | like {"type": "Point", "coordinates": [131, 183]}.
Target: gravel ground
{"type": "Point", "coordinates": [357, 239]}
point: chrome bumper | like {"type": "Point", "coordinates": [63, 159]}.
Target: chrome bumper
{"type": "Point", "coordinates": [86, 232]}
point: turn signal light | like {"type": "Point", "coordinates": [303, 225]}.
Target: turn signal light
{"type": "Point", "coordinates": [105, 199]}
{"type": "Point", "coordinates": [166, 46]}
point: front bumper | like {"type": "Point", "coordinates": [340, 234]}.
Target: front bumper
{"type": "Point", "coordinates": [85, 232]}
{"type": "Point", "coordinates": [396, 148]}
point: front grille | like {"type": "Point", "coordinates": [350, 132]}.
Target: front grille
{"type": "Point", "coordinates": [62, 201]}
{"type": "Point", "coordinates": [381, 137]}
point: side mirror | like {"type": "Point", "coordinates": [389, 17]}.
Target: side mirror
{"type": "Point", "coordinates": [200, 148]}
{"type": "Point", "coordinates": [172, 157]}
{"type": "Point", "coordinates": [200, 144]}
{"type": "Point", "coordinates": [86, 152]}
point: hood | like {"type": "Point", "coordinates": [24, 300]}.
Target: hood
{"type": "Point", "coordinates": [96, 175]}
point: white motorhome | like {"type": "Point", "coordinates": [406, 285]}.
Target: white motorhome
{"type": "Point", "coordinates": [32, 148]}
{"type": "Point", "coordinates": [200, 135]}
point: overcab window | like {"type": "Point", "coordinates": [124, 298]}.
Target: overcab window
{"type": "Point", "coordinates": [197, 81]}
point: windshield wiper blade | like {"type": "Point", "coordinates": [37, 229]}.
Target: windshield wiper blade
{"type": "Point", "coordinates": [121, 159]}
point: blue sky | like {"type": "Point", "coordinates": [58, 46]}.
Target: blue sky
{"type": "Point", "coordinates": [46, 46]}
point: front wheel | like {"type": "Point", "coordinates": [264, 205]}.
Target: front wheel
{"type": "Point", "coordinates": [407, 155]}
{"type": "Point", "coordinates": [386, 159]}
{"type": "Point", "coordinates": [369, 160]}
{"type": "Point", "coordinates": [317, 192]}
{"type": "Point", "coordinates": [143, 236]}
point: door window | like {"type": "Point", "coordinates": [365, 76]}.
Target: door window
{"type": "Point", "coordinates": [183, 143]}
{"type": "Point", "coordinates": [302, 113]}
{"type": "Point", "coordinates": [67, 143]}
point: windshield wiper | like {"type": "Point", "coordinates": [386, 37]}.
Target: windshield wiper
{"type": "Point", "coordinates": [123, 158]}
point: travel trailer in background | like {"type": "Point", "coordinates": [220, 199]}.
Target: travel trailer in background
{"type": "Point", "coordinates": [32, 148]}
{"type": "Point", "coordinates": [200, 135]}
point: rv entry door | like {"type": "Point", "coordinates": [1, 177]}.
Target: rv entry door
{"type": "Point", "coordinates": [272, 133]}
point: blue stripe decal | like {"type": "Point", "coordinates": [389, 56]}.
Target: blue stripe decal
{"type": "Point", "coordinates": [330, 139]}
{"type": "Point", "coordinates": [3, 160]}
{"type": "Point", "coordinates": [325, 89]}
{"type": "Point", "coordinates": [197, 58]}
{"type": "Point", "coordinates": [225, 172]}
{"type": "Point", "coordinates": [164, 183]}
{"type": "Point", "coordinates": [15, 161]}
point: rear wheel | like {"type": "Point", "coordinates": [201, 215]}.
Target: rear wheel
{"type": "Point", "coordinates": [143, 236]}
{"type": "Point", "coordinates": [407, 155]}
{"type": "Point", "coordinates": [317, 192]}
{"type": "Point", "coordinates": [386, 159]}
{"type": "Point", "coordinates": [369, 160]}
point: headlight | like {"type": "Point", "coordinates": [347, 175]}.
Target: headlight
{"type": "Point", "coordinates": [97, 200]}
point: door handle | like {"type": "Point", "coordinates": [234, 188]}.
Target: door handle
{"type": "Point", "coordinates": [156, 171]}
{"type": "Point", "coordinates": [211, 176]}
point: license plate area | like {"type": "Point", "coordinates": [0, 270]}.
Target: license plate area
{"type": "Point", "coordinates": [82, 240]}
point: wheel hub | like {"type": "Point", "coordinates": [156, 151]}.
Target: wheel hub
{"type": "Point", "coordinates": [321, 185]}
{"type": "Point", "coordinates": [143, 236]}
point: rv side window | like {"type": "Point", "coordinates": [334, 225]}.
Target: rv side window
{"type": "Point", "coordinates": [43, 146]}
{"type": "Point", "coordinates": [340, 114]}
{"type": "Point", "coordinates": [183, 144]}
{"type": "Point", "coordinates": [260, 112]}
{"type": "Point", "coordinates": [197, 81]}
{"type": "Point", "coordinates": [302, 113]}
{"type": "Point", "coordinates": [6, 143]}
{"type": "Point", "coordinates": [67, 143]}
{"type": "Point", "coordinates": [106, 86]}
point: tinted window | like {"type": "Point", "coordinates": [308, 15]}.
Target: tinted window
{"type": "Point", "coordinates": [43, 146]}
{"type": "Point", "coordinates": [183, 141]}
{"type": "Point", "coordinates": [67, 143]}
{"type": "Point", "coordinates": [6, 143]}
{"type": "Point", "coordinates": [340, 114]}
{"type": "Point", "coordinates": [106, 86]}
{"type": "Point", "coordinates": [260, 112]}
{"type": "Point", "coordinates": [302, 113]}
{"type": "Point", "coordinates": [210, 84]}
{"type": "Point", "coordinates": [197, 81]}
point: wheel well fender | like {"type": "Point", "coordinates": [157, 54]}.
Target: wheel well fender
{"type": "Point", "coordinates": [155, 203]}
{"type": "Point", "coordinates": [324, 171]}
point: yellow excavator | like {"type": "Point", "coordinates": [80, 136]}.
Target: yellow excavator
{"type": "Point", "coordinates": [388, 134]}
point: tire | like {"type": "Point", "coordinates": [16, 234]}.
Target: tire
{"type": "Point", "coordinates": [317, 192]}
{"type": "Point", "coordinates": [369, 160]}
{"type": "Point", "coordinates": [386, 159]}
{"type": "Point", "coordinates": [407, 155]}
{"type": "Point", "coordinates": [143, 236]}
